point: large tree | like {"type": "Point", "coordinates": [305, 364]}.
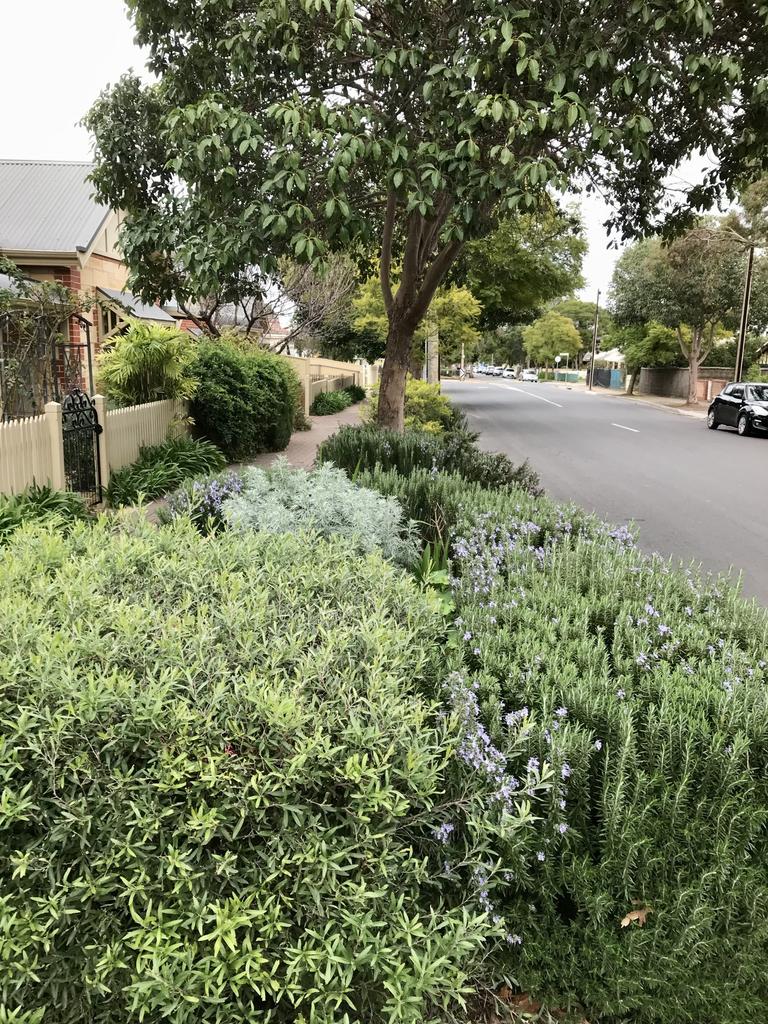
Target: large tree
{"type": "Point", "coordinates": [305, 125]}
{"type": "Point", "coordinates": [454, 313]}
{"type": "Point", "coordinates": [650, 344]}
{"type": "Point", "coordinates": [693, 285]}
{"type": "Point", "coordinates": [525, 263]}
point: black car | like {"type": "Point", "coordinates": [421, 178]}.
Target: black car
{"type": "Point", "coordinates": [743, 405]}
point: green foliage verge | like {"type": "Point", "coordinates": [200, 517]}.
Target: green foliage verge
{"type": "Point", "coordinates": [245, 401]}
{"type": "Point", "coordinates": [329, 402]}
{"type": "Point", "coordinates": [645, 687]}
{"type": "Point", "coordinates": [426, 408]}
{"type": "Point", "coordinates": [40, 504]}
{"type": "Point", "coordinates": [162, 467]}
{"type": "Point", "coordinates": [228, 787]}
{"type": "Point", "coordinates": [356, 449]}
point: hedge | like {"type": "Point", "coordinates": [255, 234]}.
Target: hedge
{"type": "Point", "coordinates": [229, 787]}
{"type": "Point", "coordinates": [245, 401]}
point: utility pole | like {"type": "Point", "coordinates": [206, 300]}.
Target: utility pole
{"type": "Point", "coordinates": [594, 343]}
{"type": "Point", "coordinates": [744, 322]}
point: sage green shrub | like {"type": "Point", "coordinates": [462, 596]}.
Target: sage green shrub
{"type": "Point", "coordinates": [324, 502]}
{"type": "Point", "coordinates": [228, 785]}
{"type": "Point", "coordinates": [648, 898]}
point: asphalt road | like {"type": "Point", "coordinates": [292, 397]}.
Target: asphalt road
{"type": "Point", "coordinates": [695, 494]}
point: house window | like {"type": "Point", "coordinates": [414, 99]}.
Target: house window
{"type": "Point", "coordinates": [109, 321]}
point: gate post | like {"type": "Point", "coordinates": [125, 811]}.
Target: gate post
{"type": "Point", "coordinates": [53, 419]}
{"type": "Point", "coordinates": [100, 404]}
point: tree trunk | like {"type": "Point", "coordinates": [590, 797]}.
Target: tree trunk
{"type": "Point", "coordinates": [391, 413]}
{"type": "Point", "coordinates": [694, 361]}
{"type": "Point", "coordinates": [633, 380]}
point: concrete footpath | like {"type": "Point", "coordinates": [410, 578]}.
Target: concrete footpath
{"type": "Point", "coordinates": [301, 450]}
{"type": "Point", "coordinates": [303, 445]}
{"type": "Point", "coordinates": [678, 405]}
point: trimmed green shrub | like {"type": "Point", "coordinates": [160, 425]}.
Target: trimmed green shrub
{"type": "Point", "coordinates": [148, 363]}
{"type": "Point", "coordinates": [356, 393]}
{"type": "Point", "coordinates": [426, 407]}
{"type": "Point", "coordinates": [228, 792]}
{"type": "Point", "coordinates": [355, 448]}
{"type": "Point", "coordinates": [645, 687]}
{"type": "Point", "coordinates": [246, 400]}
{"type": "Point", "coordinates": [40, 504]}
{"type": "Point", "coordinates": [329, 402]}
{"type": "Point", "coordinates": [324, 501]}
{"type": "Point", "coordinates": [162, 467]}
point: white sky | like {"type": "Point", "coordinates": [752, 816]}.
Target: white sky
{"type": "Point", "coordinates": [59, 54]}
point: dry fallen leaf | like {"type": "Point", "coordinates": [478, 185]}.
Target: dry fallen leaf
{"type": "Point", "coordinates": [639, 916]}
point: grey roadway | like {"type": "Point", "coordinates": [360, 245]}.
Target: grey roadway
{"type": "Point", "coordinates": [695, 494]}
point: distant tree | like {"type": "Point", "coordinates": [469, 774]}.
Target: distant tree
{"type": "Point", "coordinates": [693, 285]}
{"type": "Point", "coordinates": [583, 315]}
{"type": "Point", "coordinates": [650, 344]}
{"type": "Point", "coordinates": [527, 262]}
{"type": "Point", "coordinates": [298, 126]}
{"type": "Point", "coordinates": [549, 336]}
{"type": "Point", "coordinates": [454, 311]}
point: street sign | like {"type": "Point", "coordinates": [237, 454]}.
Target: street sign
{"type": "Point", "coordinates": [557, 360]}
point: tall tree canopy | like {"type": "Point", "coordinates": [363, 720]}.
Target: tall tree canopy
{"type": "Point", "coordinates": [693, 285]}
{"type": "Point", "coordinates": [304, 125]}
{"type": "Point", "coordinates": [526, 262]}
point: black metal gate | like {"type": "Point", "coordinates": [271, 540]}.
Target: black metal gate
{"type": "Point", "coordinates": [80, 430]}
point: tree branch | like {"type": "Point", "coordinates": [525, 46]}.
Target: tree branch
{"type": "Point", "coordinates": [385, 262]}
{"type": "Point", "coordinates": [433, 278]}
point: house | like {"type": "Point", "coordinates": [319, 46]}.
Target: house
{"type": "Point", "coordinates": [53, 229]}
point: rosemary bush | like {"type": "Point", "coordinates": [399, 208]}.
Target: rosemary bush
{"type": "Point", "coordinates": [364, 448]}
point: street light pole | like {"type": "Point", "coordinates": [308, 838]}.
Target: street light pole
{"type": "Point", "coordinates": [744, 322]}
{"type": "Point", "coordinates": [594, 343]}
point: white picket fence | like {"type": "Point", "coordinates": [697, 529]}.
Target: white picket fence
{"type": "Point", "coordinates": [32, 449]}
{"type": "Point", "coordinates": [27, 451]}
{"type": "Point", "coordinates": [127, 430]}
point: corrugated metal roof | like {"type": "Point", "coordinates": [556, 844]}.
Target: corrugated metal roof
{"type": "Point", "coordinates": [47, 206]}
{"type": "Point", "coordinates": [138, 308]}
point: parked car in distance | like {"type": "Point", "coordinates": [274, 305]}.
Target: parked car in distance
{"type": "Point", "coordinates": [509, 374]}
{"type": "Point", "coordinates": [742, 405]}
{"type": "Point", "coordinates": [495, 371]}
{"type": "Point", "coordinates": [531, 376]}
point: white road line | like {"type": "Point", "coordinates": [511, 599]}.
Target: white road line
{"type": "Point", "coordinates": [621, 427]}
{"type": "Point", "coordinates": [508, 387]}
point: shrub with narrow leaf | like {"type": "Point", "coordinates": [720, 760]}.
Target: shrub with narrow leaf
{"type": "Point", "coordinates": [365, 448]}
{"type": "Point", "coordinates": [646, 687]}
{"type": "Point", "coordinates": [161, 468]}
{"type": "Point", "coordinates": [234, 787]}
